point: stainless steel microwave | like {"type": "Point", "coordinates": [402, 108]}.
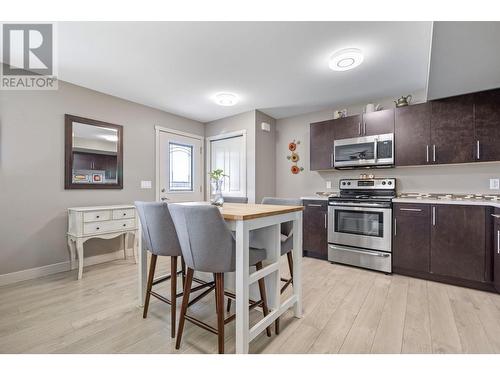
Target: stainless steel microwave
{"type": "Point", "coordinates": [371, 151]}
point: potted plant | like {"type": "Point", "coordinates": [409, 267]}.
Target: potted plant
{"type": "Point", "coordinates": [217, 178]}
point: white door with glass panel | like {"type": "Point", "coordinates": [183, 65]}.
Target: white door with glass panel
{"type": "Point", "coordinates": [228, 154]}
{"type": "Point", "coordinates": [179, 167]}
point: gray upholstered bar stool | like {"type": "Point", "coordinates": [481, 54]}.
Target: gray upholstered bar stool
{"type": "Point", "coordinates": [208, 245]}
{"type": "Point", "coordinates": [235, 199]}
{"type": "Point", "coordinates": [286, 241]}
{"type": "Point", "coordinates": [160, 238]}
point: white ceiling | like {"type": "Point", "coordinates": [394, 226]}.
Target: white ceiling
{"type": "Point", "coordinates": [280, 68]}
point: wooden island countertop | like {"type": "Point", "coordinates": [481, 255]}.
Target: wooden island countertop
{"type": "Point", "coordinates": [243, 211]}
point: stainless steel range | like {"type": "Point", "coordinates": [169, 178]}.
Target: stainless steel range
{"type": "Point", "coordinates": [360, 223]}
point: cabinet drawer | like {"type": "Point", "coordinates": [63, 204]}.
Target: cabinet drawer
{"type": "Point", "coordinates": [124, 214]}
{"type": "Point", "coordinates": [315, 204]}
{"type": "Point", "coordinates": [411, 209]}
{"type": "Point", "coordinates": [96, 216]}
{"type": "Point", "coordinates": [108, 226]}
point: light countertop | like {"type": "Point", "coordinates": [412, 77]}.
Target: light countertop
{"type": "Point", "coordinates": [461, 201]}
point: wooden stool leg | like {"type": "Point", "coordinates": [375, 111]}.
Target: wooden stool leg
{"type": "Point", "coordinates": [183, 267]}
{"type": "Point", "coordinates": [289, 257]}
{"type": "Point", "coordinates": [219, 299]}
{"type": "Point", "coordinates": [185, 302]}
{"type": "Point", "coordinates": [151, 276]}
{"type": "Point", "coordinates": [263, 296]}
{"type": "Point", "coordinates": [173, 294]}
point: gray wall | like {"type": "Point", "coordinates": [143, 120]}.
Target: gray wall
{"type": "Point", "coordinates": [242, 121]}
{"type": "Point", "coordinates": [33, 201]}
{"type": "Point", "coordinates": [470, 178]}
{"type": "Point", "coordinates": [265, 157]}
{"type": "Point", "coordinates": [465, 57]}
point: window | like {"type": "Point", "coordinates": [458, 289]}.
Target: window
{"type": "Point", "coordinates": [181, 167]}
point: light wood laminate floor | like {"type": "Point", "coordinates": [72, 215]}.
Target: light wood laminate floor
{"type": "Point", "coordinates": [346, 310]}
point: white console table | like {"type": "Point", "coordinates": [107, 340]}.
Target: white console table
{"type": "Point", "coordinates": [105, 222]}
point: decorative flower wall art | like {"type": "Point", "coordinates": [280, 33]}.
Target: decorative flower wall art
{"type": "Point", "coordinates": [294, 157]}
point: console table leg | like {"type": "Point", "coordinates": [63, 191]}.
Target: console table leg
{"type": "Point", "coordinates": [79, 249]}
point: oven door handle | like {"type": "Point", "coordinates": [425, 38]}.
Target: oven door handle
{"type": "Point", "coordinates": [364, 252]}
{"type": "Point", "coordinates": [367, 204]}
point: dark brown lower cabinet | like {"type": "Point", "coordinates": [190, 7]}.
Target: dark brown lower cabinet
{"type": "Point", "coordinates": [458, 241]}
{"type": "Point", "coordinates": [445, 242]}
{"type": "Point", "coordinates": [411, 237]}
{"type": "Point", "coordinates": [496, 250]}
{"type": "Point", "coordinates": [314, 238]}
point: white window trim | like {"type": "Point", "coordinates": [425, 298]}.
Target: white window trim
{"type": "Point", "coordinates": [208, 158]}
{"type": "Point", "coordinates": [158, 130]}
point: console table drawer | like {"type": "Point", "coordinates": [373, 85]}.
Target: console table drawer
{"type": "Point", "coordinates": [123, 214]}
{"type": "Point", "coordinates": [108, 226]}
{"type": "Point", "coordinates": [96, 216]}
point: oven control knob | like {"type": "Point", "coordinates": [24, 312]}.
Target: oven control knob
{"type": "Point", "coordinates": [390, 182]}
{"type": "Point", "coordinates": [343, 182]}
{"type": "Point", "coordinates": [383, 182]}
{"type": "Point", "coordinates": [348, 183]}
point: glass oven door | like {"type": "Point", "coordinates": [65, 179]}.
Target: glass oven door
{"type": "Point", "coordinates": [364, 227]}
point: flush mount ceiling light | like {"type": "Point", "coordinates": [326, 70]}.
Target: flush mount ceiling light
{"type": "Point", "coordinates": [226, 99]}
{"type": "Point", "coordinates": [346, 59]}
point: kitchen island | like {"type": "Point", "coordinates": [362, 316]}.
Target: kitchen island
{"type": "Point", "coordinates": [265, 222]}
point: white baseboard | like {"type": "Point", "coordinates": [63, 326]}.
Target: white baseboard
{"type": "Point", "coordinates": [34, 273]}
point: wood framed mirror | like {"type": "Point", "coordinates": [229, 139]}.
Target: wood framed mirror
{"type": "Point", "coordinates": [93, 154]}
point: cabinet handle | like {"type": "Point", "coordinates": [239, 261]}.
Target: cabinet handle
{"type": "Point", "coordinates": [433, 152]}
{"type": "Point", "coordinates": [477, 150]}
{"type": "Point", "coordinates": [434, 216]}
{"type": "Point", "coordinates": [331, 159]}
{"type": "Point", "coordinates": [498, 241]}
{"type": "Point", "coordinates": [411, 209]}
{"type": "Point", "coordinates": [326, 224]}
{"type": "Point", "coordinates": [359, 128]}
{"type": "Point", "coordinates": [313, 205]}
{"type": "Point", "coordinates": [427, 153]}
{"type": "Point", "coordinates": [495, 216]}
{"type": "Point", "coordinates": [395, 227]}
{"type": "Point", "coordinates": [364, 128]}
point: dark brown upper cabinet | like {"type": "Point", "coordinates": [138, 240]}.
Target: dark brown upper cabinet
{"type": "Point", "coordinates": [413, 135]}
{"type": "Point", "coordinates": [321, 145]}
{"type": "Point", "coordinates": [315, 243]}
{"type": "Point", "coordinates": [347, 127]}
{"type": "Point", "coordinates": [411, 245]}
{"type": "Point", "coordinates": [93, 154]}
{"type": "Point", "coordinates": [487, 125]}
{"type": "Point", "coordinates": [452, 130]}
{"type": "Point", "coordinates": [458, 241]}
{"type": "Point", "coordinates": [378, 122]}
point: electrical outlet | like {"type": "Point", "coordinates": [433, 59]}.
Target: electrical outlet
{"type": "Point", "coordinates": [145, 184]}
{"type": "Point", "coordinates": [494, 184]}
{"type": "Point", "coordinates": [328, 184]}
